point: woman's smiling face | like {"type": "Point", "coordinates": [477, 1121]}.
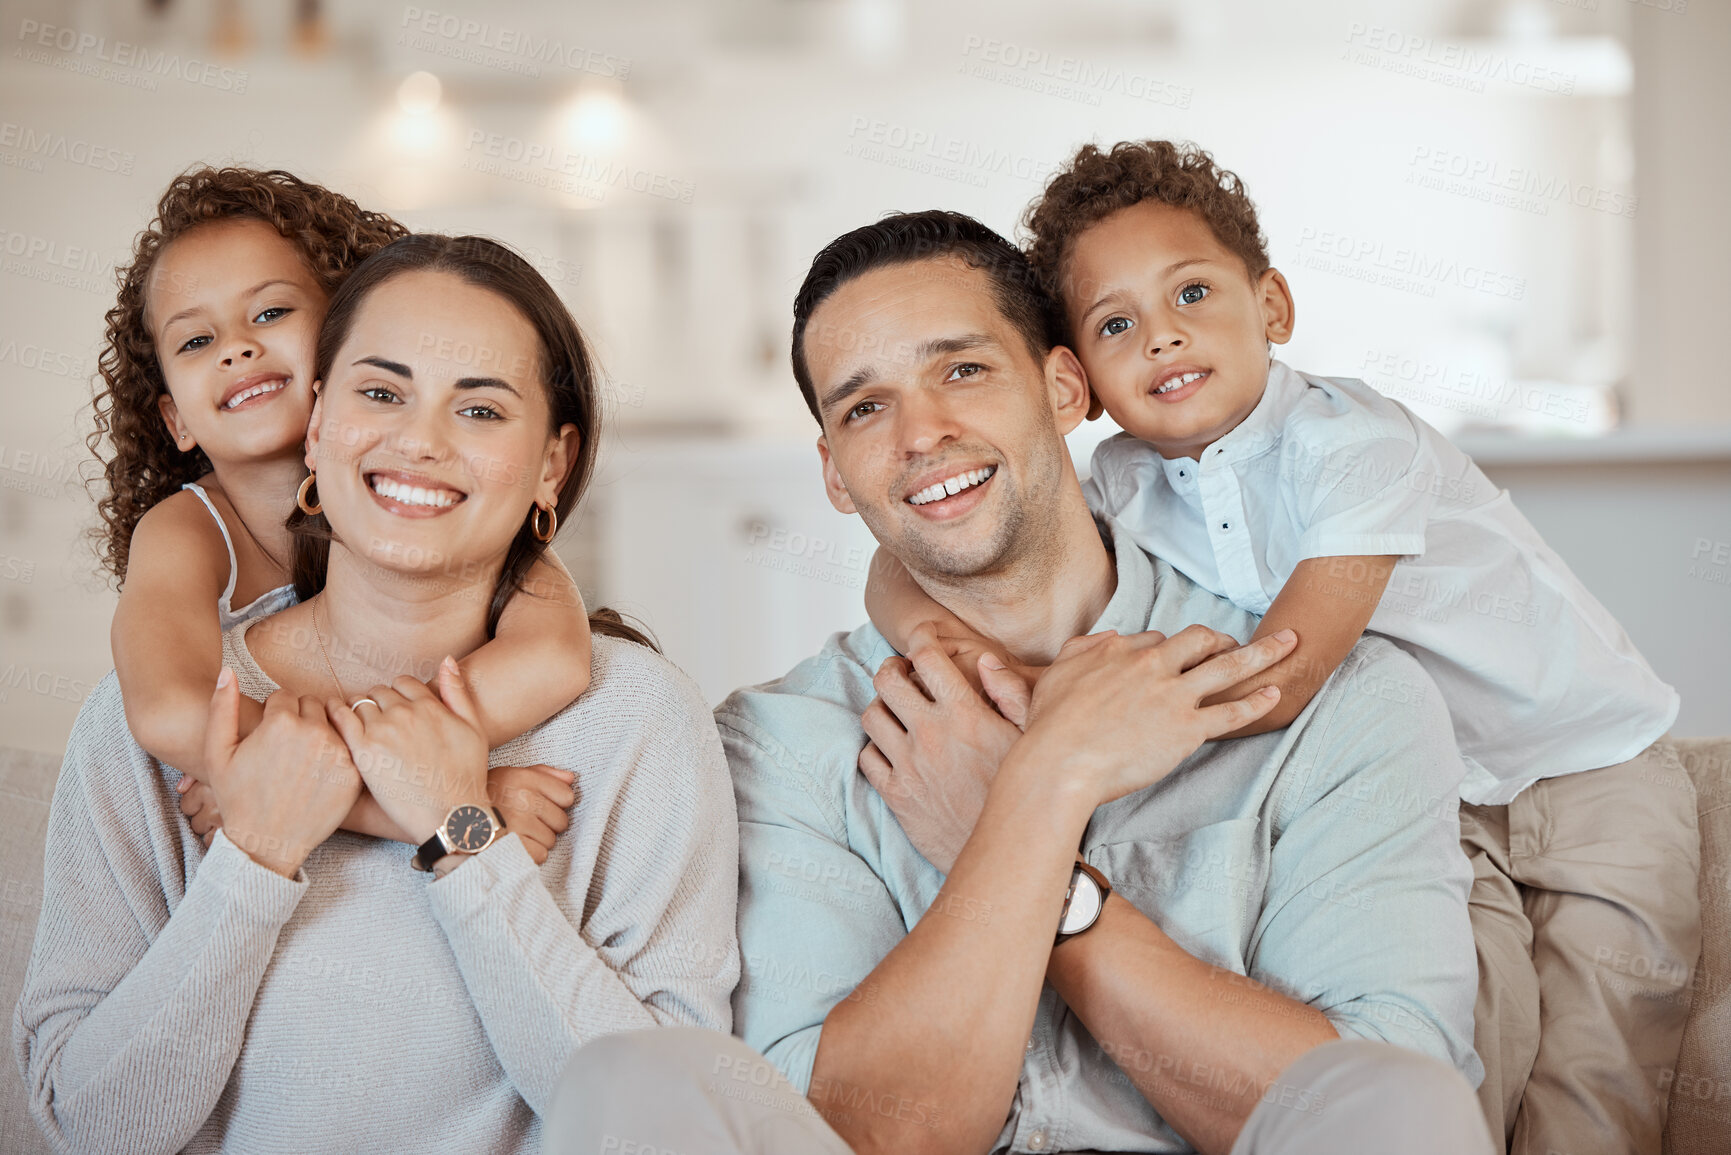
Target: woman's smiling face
{"type": "Point", "coordinates": [432, 436]}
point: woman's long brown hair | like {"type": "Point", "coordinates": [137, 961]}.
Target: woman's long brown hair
{"type": "Point", "coordinates": [566, 368]}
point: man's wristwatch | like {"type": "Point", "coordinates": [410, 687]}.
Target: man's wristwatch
{"type": "Point", "coordinates": [465, 830]}
{"type": "Point", "coordinates": [1083, 901]}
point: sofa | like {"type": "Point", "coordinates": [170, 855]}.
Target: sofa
{"type": "Point", "coordinates": [1700, 1088]}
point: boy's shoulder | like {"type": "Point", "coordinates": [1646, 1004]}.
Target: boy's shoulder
{"type": "Point", "coordinates": [1328, 414]}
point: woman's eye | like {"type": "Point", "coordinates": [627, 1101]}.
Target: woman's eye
{"type": "Point", "coordinates": [968, 370]}
{"type": "Point", "coordinates": [1191, 294]}
{"type": "Point", "coordinates": [483, 411]}
{"type": "Point", "coordinates": [271, 314]}
{"type": "Point", "coordinates": [195, 343]}
{"type": "Point", "coordinates": [1114, 326]}
{"type": "Point", "coordinates": [377, 393]}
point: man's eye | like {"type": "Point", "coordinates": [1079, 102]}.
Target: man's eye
{"type": "Point", "coordinates": [1114, 326]}
{"type": "Point", "coordinates": [863, 409]}
{"type": "Point", "coordinates": [195, 343]}
{"type": "Point", "coordinates": [967, 370]}
{"type": "Point", "coordinates": [1191, 294]}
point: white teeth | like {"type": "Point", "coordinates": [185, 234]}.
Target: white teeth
{"type": "Point", "coordinates": [1179, 382]}
{"type": "Point", "coordinates": [413, 494]}
{"type": "Point", "coordinates": [255, 391]}
{"type": "Point", "coordinates": [951, 485]}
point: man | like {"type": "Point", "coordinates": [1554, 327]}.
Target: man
{"type": "Point", "coordinates": [1265, 897]}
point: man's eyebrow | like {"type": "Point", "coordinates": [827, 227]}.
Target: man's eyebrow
{"type": "Point", "coordinates": [1164, 273]}
{"type": "Point", "coordinates": [260, 287]}
{"type": "Point", "coordinates": [923, 352]}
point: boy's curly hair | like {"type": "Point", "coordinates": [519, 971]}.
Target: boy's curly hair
{"type": "Point", "coordinates": [332, 233]}
{"type": "Point", "coordinates": [1096, 184]}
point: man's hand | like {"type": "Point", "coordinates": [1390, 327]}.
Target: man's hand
{"type": "Point", "coordinates": [934, 752]}
{"type": "Point", "coordinates": [1119, 712]}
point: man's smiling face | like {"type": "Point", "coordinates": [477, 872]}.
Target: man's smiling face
{"type": "Point", "coordinates": [941, 425]}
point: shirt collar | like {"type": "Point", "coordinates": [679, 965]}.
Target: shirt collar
{"type": "Point", "coordinates": [1261, 429]}
{"type": "Point", "coordinates": [1132, 603]}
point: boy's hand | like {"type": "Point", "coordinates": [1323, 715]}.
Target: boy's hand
{"type": "Point", "coordinates": [534, 801]}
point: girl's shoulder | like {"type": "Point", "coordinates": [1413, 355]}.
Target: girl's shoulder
{"type": "Point", "coordinates": [179, 530]}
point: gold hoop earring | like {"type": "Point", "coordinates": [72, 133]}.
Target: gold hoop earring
{"type": "Point", "coordinates": [301, 496]}
{"type": "Point", "coordinates": [543, 535]}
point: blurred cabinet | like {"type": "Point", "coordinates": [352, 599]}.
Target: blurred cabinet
{"type": "Point", "coordinates": [729, 551]}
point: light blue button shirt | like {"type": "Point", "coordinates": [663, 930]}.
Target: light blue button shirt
{"type": "Point", "coordinates": [1322, 860]}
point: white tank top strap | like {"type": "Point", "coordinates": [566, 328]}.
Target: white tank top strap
{"type": "Point", "coordinates": [233, 565]}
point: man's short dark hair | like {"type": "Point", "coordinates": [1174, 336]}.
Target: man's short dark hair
{"type": "Point", "coordinates": [903, 237]}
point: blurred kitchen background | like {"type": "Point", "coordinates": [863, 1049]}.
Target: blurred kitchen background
{"type": "Point", "coordinates": [1508, 214]}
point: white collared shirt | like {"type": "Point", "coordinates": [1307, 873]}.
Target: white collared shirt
{"type": "Point", "coordinates": [1539, 677]}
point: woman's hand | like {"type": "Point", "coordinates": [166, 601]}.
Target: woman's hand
{"type": "Point", "coordinates": [287, 786]}
{"type": "Point", "coordinates": [420, 753]}
{"type": "Point", "coordinates": [1120, 712]}
{"type": "Point", "coordinates": [534, 801]}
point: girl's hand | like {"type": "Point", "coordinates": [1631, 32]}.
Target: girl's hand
{"type": "Point", "coordinates": [534, 801]}
{"type": "Point", "coordinates": [199, 805]}
{"type": "Point", "coordinates": [420, 753]}
{"type": "Point", "coordinates": [287, 786]}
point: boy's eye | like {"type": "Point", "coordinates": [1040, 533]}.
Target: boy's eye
{"type": "Point", "coordinates": [271, 314]}
{"type": "Point", "coordinates": [1114, 326]}
{"type": "Point", "coordinates": [963, 371]}
{"type": "Point", "coordinates": [1191, 294]}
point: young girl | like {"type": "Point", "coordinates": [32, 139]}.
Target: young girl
{"type": "Point", "coordinates": [208, 367]}
{"type": "Point", "coordinates": [1331, 510]}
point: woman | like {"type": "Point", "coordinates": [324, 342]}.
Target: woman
{"type": "Point", "coordinates": [303, 988]}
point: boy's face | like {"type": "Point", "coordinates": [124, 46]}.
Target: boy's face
{"type": "Point", "coordinates": [1172, 331]}
{"type": "Point", "coordinates": [234, 314]}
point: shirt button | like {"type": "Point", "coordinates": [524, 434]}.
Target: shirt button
{"type": "Point", "coordinates": [1224, 525]}
{"type": "Point", "coordinates": [1037, 1141]}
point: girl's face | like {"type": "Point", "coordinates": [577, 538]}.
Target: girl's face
{"type": "Point", "coordinates": [235, 314]}
{"type": "Point", "coordinates": [432, 438]}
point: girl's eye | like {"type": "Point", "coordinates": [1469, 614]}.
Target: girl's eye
{"type": "Point", "coordinates": [1114, 326]}
{"type": "Point", "coordinates": [1191, 294]}
{"type": "Point", "coordinates": [272, 314]}
{"type": "Point", "coordinates": [487, 412]}
{"type": "Point", "coordinates": [195, 343]}
{"type": "Point", "coordinates": [377, 393]}
{"type": "Point", "coordinates": [963, 371]}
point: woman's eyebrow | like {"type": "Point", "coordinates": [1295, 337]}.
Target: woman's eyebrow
{"type": "Point", "coordinates": [397, 367]}
{"type": "Point", "coordinates": [484, 383]}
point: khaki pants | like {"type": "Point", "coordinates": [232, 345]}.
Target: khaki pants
{"type": "Point", "coordinates": [1588, 923]}
{"type": "Point", "coordinates": [686, 1091]}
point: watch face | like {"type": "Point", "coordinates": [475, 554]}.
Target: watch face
{"type": "Point", "coordinates": [1084, 906]}
{"type": "Point", "coordinates": [469, 828]}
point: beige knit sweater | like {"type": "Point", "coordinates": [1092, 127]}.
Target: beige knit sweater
{"type": "Point", "coordinates": [178, 998]}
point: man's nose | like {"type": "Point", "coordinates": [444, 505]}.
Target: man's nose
{"type": "Point", "coordinates": [927, 422]}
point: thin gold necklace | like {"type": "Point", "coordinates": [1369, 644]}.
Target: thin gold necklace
{"type": "Point", "coordinates": [319, 634]}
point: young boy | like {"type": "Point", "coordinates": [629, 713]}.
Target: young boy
{"type": "Point", "coordinates": [1331, 510]}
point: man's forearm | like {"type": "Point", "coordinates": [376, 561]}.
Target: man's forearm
{"type": "Point", "coordinates": [1201, 1044]}
{"type": "Point", "coordinates": [945, 1025]}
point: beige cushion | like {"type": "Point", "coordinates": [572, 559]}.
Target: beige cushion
{"type": "Point", "coordinates": [1700, 1122]}
{"type": "Point", "coordinates": [26, 786]}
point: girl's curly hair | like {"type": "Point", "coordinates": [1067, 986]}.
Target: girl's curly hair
{"type": "Point", "coordinates": [1096, 184]}
{"type": "Point", "coordinates": [332, 233]}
